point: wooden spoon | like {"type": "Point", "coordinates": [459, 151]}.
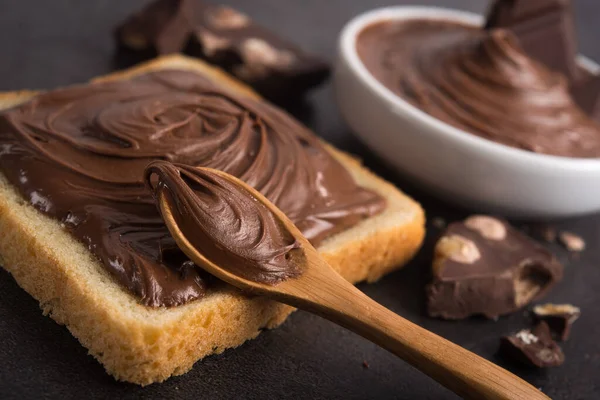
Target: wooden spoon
{"type": "Point", "coordinates": [321, 290]}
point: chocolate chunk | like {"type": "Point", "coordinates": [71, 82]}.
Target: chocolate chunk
{"type": "Point", "coordinates": [548, 233]}
{"type": "Point", "coordinates": [485, 266]}
{"type": "Point", "coordinates": [228, 39]}
{"type": "Point", "coordinates": [160, 26]}
{"type": "Point", "coordinates": [438, 222]}
{"type": "Point", "coordinates": [586, 92]}
{"type": "Point", "coordinates": [533, 347]}
{"type": "Point", "coordinates": [537, 23]}
{"type": "Point", "coordinates": [559, 317]}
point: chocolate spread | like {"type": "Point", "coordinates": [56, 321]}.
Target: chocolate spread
{"type": "Point", "coordinates": [225, 222]}
{"type": "Point", "coordinates": [481, 82]}
{"type": "Point", "coordinates": [79, 154]}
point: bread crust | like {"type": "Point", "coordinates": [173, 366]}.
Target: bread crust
{"type": "Point", "coordinates": [143, 345]}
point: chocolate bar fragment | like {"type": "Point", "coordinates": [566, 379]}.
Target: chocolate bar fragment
{"type": "Point", "coordinates": [228, 39]}
{"type": "Point", "coordinates": [533, 347]}
{"type": "Point", "coordinates": [538, 23]}
{"type": "Point", "coordinates": [559, 317]}
{"type": "Point", "coordinates": [483, 265]}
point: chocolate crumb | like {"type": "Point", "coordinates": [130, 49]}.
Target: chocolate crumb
{"type": "Point", "coordinates": [365, 364]}
{"type": "Point", "coordinates": [571, 241]}
{"type": "Point", "coordinates": [559, 317]}
{"type": "Point", "coordinates": [548, 233]}
{"type": "Point", "coordinates": [533, 347]}
{"type": "Point", "coordinates": [438, 222]}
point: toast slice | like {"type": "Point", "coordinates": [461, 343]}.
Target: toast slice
{"type": "Point", "coordinates": [141, 344]}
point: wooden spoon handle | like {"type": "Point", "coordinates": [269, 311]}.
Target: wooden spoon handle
{"type": "Point", "coordinates": [458, 369]}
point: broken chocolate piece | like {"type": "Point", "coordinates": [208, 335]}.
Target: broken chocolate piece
{"type": "Point", "coordinates": [533, 347]}
{"type": "Point", "coordinates": [485, 266]}
{"type": "Point", "coordinates": [544, 231]}
{"type": "Point", "coordinates": [537, 23]}
{"type": "Point", "coordinates": [559, 317]}
{"type": "Point", "coordinates": [438, 222]}
{"type": "Point", "coordinates": [548, 233]}
{"type": "Point", "coordinates": [161, 26]}
{"type": "Point", "coordinates": [228, 39]}
{"type": "Point", "coordinates": [571, 241]}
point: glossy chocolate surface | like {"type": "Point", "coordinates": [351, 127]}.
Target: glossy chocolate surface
{"type": "Point", "coordinates": [79, 154]}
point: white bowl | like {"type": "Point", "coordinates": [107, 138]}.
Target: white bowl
{"type": "Point", "coordinates": [455, 164]}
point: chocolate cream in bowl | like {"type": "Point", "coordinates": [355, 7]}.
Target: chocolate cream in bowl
{"type": "Point", "coordinates": [481, 82]}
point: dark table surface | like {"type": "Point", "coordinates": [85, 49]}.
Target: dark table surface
{"type": "Point", "coordinates": [50, 43]}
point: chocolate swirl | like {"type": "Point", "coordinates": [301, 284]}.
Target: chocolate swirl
{"type": "Point", "coordinates": [79, 155]}
{"type": "Point", "coordinates": [481, 82]}
{"type": "Point", "coordinates": [225, 222]}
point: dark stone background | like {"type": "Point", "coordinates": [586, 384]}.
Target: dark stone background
{"type": "Point", "coordinates": [50, 43]}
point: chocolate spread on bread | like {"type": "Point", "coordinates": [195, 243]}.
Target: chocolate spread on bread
{"type": "Point", "coordinates": [79, 154]}
{"type": "Point", "coordinates": [225, 222]}
{"type": "Point", "coordinates": [479, 81]}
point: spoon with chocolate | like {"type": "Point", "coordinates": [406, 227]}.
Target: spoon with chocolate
{"type": "Point", "coordinates": [232, 231]}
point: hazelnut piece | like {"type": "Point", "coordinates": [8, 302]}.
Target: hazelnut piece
{"type": "Point", "coordinates": [488, 227]}
{"type": "Point", "coordinates": [457, 248]}
{"type": "Point", "coordinates": [228, 18]}
{"type": "Point", "coordinates": [212, 43]}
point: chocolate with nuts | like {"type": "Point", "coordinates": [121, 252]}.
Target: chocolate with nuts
{"type": "Point", "coordinates": [228, 39]}
{"type": "Point", "coordinates": [483, 265]}
{"type": "Point", "coordinates": [559, 317]}
{"type": "Point", "coordinates": [533, 347]}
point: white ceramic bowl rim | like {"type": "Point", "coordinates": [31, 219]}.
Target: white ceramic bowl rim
{"type": "Point", "coordinates": [348, 48]}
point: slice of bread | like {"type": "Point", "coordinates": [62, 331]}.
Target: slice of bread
{"type": "Point", "coordinates": [143, 345]}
